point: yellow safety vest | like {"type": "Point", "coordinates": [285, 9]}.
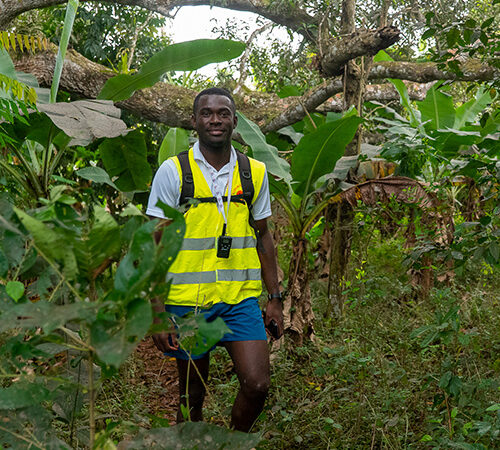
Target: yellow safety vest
{"type": "Point", "coordinates": [198, 277]}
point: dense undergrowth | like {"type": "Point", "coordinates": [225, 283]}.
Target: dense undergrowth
{"type": "Point", "coordinates": [396, 371]}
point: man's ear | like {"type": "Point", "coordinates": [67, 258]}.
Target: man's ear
{"type": "Point", "coordinates": [235, 120]}
{"type": "Point", "coordinates": [193, 120]}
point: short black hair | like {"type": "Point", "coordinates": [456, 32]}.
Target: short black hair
{"type": "Point", "coordinates": [213, 91]}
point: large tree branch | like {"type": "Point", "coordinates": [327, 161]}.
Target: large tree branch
{"type": "Point", "coordinates": [282, 13]}
{"type": "Point", "coordinates": [171, 104]}
{"type": "Point", "coordinates": [472, 70]}
{"type": "Point", "coordinates": [360, 43]}
{"type": "Point", "coordinates": [380, 93]}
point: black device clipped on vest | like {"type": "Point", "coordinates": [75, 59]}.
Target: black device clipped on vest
{"type": "Point", "coordinates": [224, 244]}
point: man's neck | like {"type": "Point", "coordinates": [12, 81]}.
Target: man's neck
{"type": "Point", "coordinates": [217, 158]}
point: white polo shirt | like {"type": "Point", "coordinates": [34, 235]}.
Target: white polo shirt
{"type": "Point", "coordinates": [166, 185]}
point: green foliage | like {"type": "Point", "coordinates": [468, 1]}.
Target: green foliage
{"type": "Point", "coordinates": [261, 150]}
{"type": "Point", "coordinates": [63, 45]}
{"type": "Point", "coordinates": [183, 56]}
{"type": "Point", "coordinates": [125, 157]}
{"type": "Point", "coordinates": [174, 142]}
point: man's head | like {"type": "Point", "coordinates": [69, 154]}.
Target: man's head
{"type": "Point", "coordinates": [214, 118]}
{"type": "Point", "coordinates": [213, 91]}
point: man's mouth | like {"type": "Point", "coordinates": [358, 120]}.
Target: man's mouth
{"type": "Point", "coordinates": [216, 132]}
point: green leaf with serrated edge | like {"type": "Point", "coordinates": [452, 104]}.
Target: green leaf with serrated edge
{"type": "Point", "coordinates": [101, 243]}
{"type": "Point", "coordinates": [318, 152]}
{"type": "Point", "coordinates": [261, 150]}
{"type": "Point", "coordinates": [48, 316]}
{"type": "Point", "coordinates": [97, 175]}
{"type": "Point", "coordinates": [174, 142]}
{"type": "Point", "coordinates": [138, 263]}
{"type": "Point", "coordinates": [15, 289]}
{"type": "Point", "coordinates": [114, 342]}
{"type": "Point", "coordinates": [20, 395]}
{"type": "Point", "coordinates": [186, 56]}
{"type": "Point", "coordinates": [51, 243]}
{"type": "Point", "coordinates": [126, 158]}
{"type": "Point", "coordinates": [170, 243]}
{"type": "Point", "coordinates": [197, 336]}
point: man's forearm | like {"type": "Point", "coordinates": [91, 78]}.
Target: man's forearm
{"type": "Point", "coordinates": [268, 263]}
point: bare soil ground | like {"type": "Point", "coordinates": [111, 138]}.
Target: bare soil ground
{"type": "Point", "coordinates": [160, 377]}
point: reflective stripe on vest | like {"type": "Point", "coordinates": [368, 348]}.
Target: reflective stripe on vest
{"type": "Point", "coordinates": [197, 276]}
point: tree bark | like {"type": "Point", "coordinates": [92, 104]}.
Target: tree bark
{"type": "Point", "coordinates": [282, 13]}
{"type": "Point", "coordinates": [171, 104]}
{"type": "Point", "coordinates": [356, 44]}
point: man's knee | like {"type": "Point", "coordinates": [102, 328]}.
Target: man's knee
{"type": "Point", "coordinates": [255, 386]}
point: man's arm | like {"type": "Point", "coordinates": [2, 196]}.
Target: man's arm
{"type": "Point", "coordinates": [267, 256]}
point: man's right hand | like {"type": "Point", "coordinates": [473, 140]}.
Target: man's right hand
{"type": "Point", "coordinates": [165, 342]}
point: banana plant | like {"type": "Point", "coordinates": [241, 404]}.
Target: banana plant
{"type": "Point", "coordinates": [299, 187]}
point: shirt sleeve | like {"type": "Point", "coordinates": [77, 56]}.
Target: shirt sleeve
{"type": "Point", "coordinates": [262, 205]}
{"type": "Point", "coordinates": [165, 187]}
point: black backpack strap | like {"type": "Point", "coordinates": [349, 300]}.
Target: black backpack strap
{"type": "Point", "coordinates": [187, 184]}
{"type": "Point", "coordinates": [248, 193]}
{"type": "Point", "coordinates": [246, 178]}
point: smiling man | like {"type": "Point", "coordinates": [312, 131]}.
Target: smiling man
{"type": "Point", "coordinates": [227, 251]}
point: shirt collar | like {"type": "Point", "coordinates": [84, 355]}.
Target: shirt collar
{"type": "Point", "coordinates": [198, 156]}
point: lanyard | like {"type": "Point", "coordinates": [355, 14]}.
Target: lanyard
{"type": "Point", "coordinates": [218, 193]}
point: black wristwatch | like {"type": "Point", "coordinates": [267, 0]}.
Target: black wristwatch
{"type": "Point", "coordinates": [279, 296]}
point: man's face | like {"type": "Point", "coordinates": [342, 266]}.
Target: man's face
{"type": "Point", "coordinates": [214, 120]}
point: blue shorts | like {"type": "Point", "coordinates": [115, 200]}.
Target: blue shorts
{"type": "Point", "coordinates": [243, 319]}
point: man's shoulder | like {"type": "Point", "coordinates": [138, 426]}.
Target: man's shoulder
{"type": "Point", "coordinates": [255, 164]}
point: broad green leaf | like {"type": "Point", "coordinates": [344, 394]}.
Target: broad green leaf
{"type": "Point", "coordinates": [171, 241]}
{"type": "Point", "coordinates": [138, 263]}
{"type": "Point", "coordinates": [197, 336]}
{"type": "Point", "coordinates": [437, 108]}
{"type": "Point", "coordinates": [102, 243]}
{"type": "Point", "coordinates": [126, 158]}
{"type": "Point", "coordinates": [69, 19]}
{"type": "Point", "coordinates": [48, 316]}
{"type": "Point", "coordinates": [97, 175]}
{"type": "Point", "coordinates": [6, 65]}
{"type": "Point", "coordinates": [261, 150]}
{"type": "Point", "coordinates": [449, 141]}
{"type": "Point", "coordinates": [15, 289]}
{"type": "Point", "coordinates": [22, 394]}
{"type": "Point", "coordinates": [175, 141]}
{"type": "Point", "coordinates": [470, 110]}
{"type": "Point", "coordinates": [318, 152]}
{"type": "Point", "coordinates": [405, 101]}
{"type": "Point", "coordinates": [191, 436]}
{"type": "Point", "coordinates": [289, 91]}
{"type": "Point", "coordinates": [291, 133]}
{"type": "Point", "coordinates": [185, 56]}
{"type": "Point", "coordinates": [51, 243]}
{"type": "Point", "coordinates": [114, 342]}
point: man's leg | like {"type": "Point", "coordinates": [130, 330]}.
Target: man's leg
{"type": "Point", "coordinates": [251, 363]}
{"type": "Point", "coordinates": [196, 387]}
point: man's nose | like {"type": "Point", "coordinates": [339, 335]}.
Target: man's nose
{"type": "Point", "coordinates": [215, 118]}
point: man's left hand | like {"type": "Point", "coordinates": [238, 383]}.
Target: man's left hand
{"type": "Point", "coordinates": [274, 311]}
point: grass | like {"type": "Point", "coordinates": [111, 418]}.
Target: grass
{"type": "Point", "coordinates": [370, 381]}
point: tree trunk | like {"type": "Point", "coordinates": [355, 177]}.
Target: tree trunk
{"type": "Point", "coordinates": [297, 310]}
{"type": "Point", "coordinates": [341, 216]}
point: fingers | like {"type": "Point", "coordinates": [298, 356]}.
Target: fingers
{"type": "Point", "coordinates": [165, 342]}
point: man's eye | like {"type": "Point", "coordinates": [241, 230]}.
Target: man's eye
{"type": "Point", "coordinates": [224, 114]}
{"type": "Point", "coordinates": [205, 113]}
